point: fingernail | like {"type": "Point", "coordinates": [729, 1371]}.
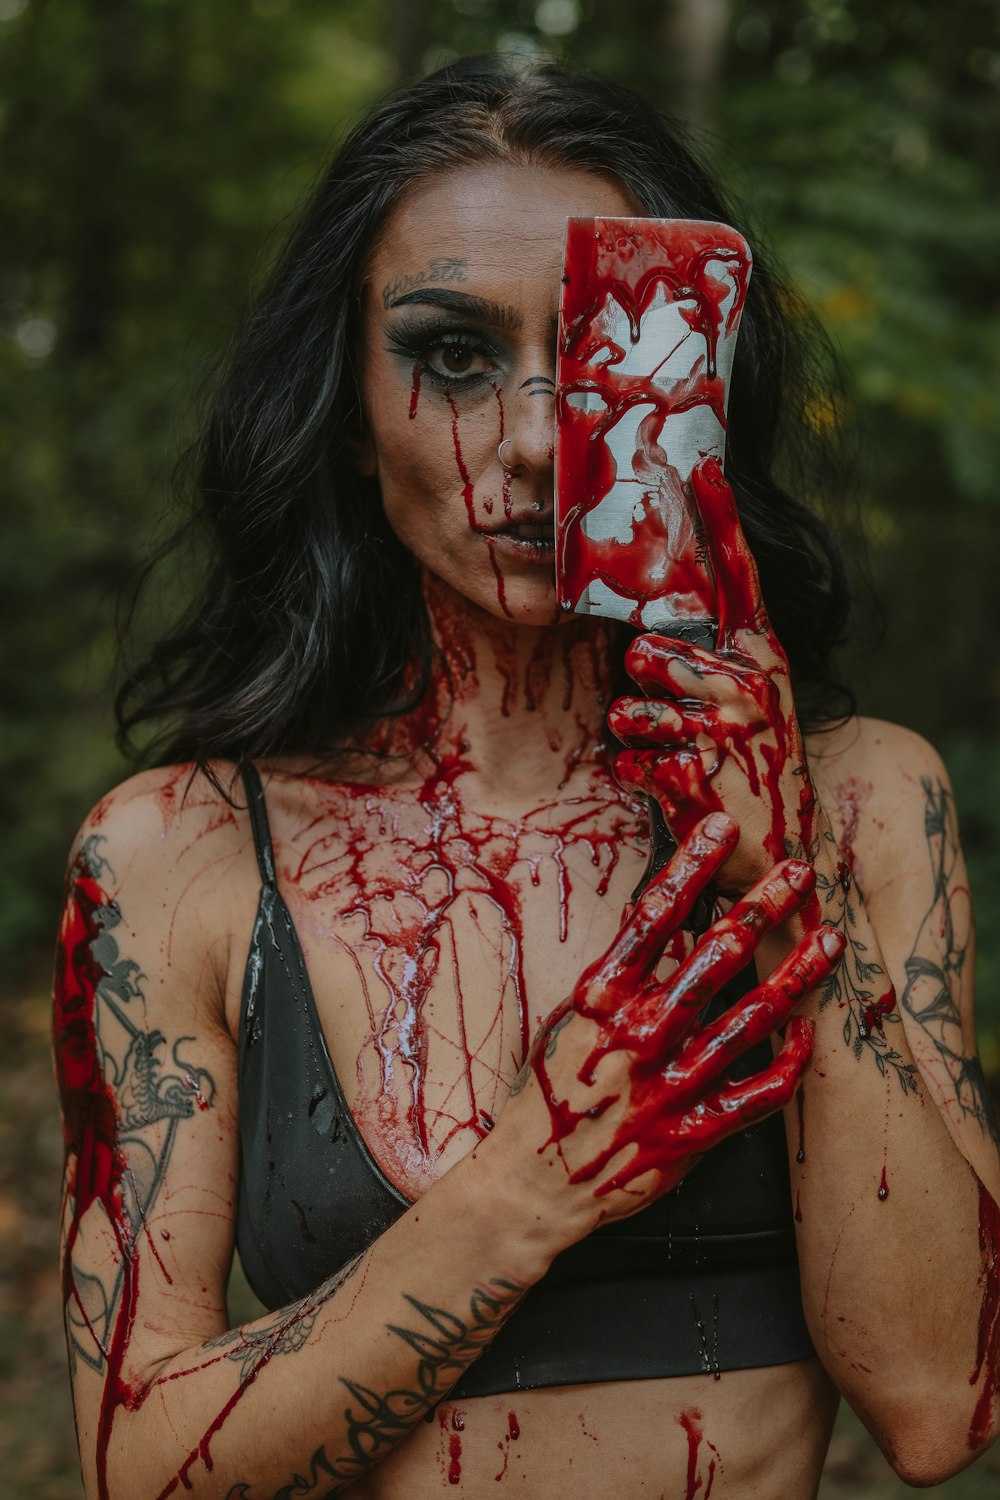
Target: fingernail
{"type": "Point", "coordinates": [831, 941]}
{"type": "Point", "coordinates": [717, 825]}
{"type": "Point", "coordinates": [799, 875]}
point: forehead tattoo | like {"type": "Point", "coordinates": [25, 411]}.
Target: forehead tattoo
{"type": "Point", "coordinates": [442, 269]}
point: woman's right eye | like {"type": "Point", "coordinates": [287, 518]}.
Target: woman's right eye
{"type": "Point", "coordinates": [452, 357]}
{"type": "Point", "coordinates": [457, 359]}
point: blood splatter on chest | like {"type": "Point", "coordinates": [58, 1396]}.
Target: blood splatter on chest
{"type": "Point", "coordinates": [438, 929]}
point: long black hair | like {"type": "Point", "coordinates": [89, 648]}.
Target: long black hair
{"type": "Point", "coordinates": [310, 617]}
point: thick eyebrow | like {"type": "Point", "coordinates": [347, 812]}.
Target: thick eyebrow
{"type": "Point", "coordinates": [506, 318]}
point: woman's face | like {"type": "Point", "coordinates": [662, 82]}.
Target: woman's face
{"type": "Point", "coordinates": [458, 345]}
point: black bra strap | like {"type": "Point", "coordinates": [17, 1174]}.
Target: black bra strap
{"type": "Point", "coordinates": [257, 808]}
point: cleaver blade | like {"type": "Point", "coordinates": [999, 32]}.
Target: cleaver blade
{"type": "Point", "coordinates": [648, 319]}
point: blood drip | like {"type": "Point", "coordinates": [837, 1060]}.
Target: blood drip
{"type": "Point", "coordinates": [798, 1208]}
{"type": "Point", "coordinates": [457, 1425]}
{"type": "Point", "coordinates": [691, 1420]}
{"type": "Point", "coordinates": [393, 870]}
{"type": "Point", "coordinates": [510, 1436]}
{"type": "Point", "coordinates": [90, 1130]}
{"type": "Point", "coordinates": [852, 795]}
{"type": "Point", "coordinates": [415, 391]}
{"type": "Point", "coordinates": [883, 1188]}
{"type": "Point", "coordinates": [612, 267]}
{"type": "Point", "coordinates": [468, 495]}
{"type": "Point", "coordinates": [498, 575]}
{"type": "Point", "coordinates": [988, 1333]}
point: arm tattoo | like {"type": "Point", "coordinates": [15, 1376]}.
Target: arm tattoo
{"type": "Point", "coordinates": [937, 961]}
{"type": "Point", "coordinates": [124, 1094]}
{"type": "Point", "coordinates": [445, 1346]}
{"type": "Point", "coordinates": [286, 1333]}
{"type": "Point", "coordinates": [860, 986]}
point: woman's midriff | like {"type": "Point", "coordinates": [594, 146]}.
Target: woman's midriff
{"type": "Point", "coordinates": [751, 1434]}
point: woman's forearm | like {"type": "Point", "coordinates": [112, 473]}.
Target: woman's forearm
{"type": "Point", "coordinates": [887, 1213]}
{"type": "Point", "coordinates": [332, 1384]}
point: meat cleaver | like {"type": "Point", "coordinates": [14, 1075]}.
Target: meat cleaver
{"type": "Point", "coordinates": [648, 319]}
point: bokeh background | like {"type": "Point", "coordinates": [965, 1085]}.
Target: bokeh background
{"type": "Point", "coordinates": [153, 152]}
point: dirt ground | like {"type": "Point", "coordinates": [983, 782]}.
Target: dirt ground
{"type": "Point", "coordinates": [37, 1446]}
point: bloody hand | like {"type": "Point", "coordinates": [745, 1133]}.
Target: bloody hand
{"type": "Point", "coordinates": [718, 730]}
{"type": "Point", "coordinates": [630, 1079]}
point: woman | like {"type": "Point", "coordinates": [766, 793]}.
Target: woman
{"type": "Point", "coordinates": [467, 1180]}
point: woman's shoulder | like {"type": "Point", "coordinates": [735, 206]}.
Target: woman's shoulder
{"type": "Point", "coordinates": [888, 755]}
{"type": "Point", "coordinates": [877, 781]}
{"type": "Point", "coordinates": [169, 832]}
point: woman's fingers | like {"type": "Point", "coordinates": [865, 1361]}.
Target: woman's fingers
{"type": "Point", "coordinates": [726, 949]}
{"type": "Point", "coordinates": [662, 665]}
{"type": "Point", "coordinates": [679, 780]}
{"type": "Point", "coordinates": [645, 721]}
{"type": "Point", "coordinates": [740, 605]}
{"type": "Point", "coordinates": [713, 1049]}
{"type": "Point", "coordinates": [662, 1139]}
{"type": "Point", "coordinates": [734, 1106]}
{"type": "Point", "coordinates": [639, 722]}
{"type": "Point", "coordinates": [667, 901]}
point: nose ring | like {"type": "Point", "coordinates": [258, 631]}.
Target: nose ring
{"type": "Point", "coordinates": [509, 468]}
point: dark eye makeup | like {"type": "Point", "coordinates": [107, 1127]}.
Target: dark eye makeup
{"type": "Point", "coordinates": [449, 354]}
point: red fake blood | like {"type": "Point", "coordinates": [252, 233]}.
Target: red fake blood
{"type": "Point", "coordinates": [498, 575]}
{"type": "Point", "coordinates": [465, 476]}
{"type": "Point", "coordinates": [468, 496]}
{"type": "Point", "coordinates": [95, 1163]}
{"type": "Point", "coordinates": [883, 1188]}
{"type": "Point", "coordinates": [988, 1334]}
{"type": "Point", "coordinates": [762, 740]}
{"type": "Point", "coordinates": [415, 391]}
{"type": "Point", "coordinates": [852, 795]}
{"type": "Point", "coordinates": [691, 1420]}
{"type": "Point", "coordinates": [798, 1208]}
{"type": "Point", "coordinates": [660, 1124]}
{"type": "Point", "coordinates": [510, 1436]}
{"type": "Point", "coordinates": [398, 873]}
{"type": "Point", "coordinates": [610, 269]}
{"type": "Point", "coordinates": [457, 1425]}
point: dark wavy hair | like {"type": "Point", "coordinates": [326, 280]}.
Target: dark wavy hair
{"type": "Point", "coordinates": [309, 619]}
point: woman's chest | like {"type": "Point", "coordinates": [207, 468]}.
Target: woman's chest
{"type": "Point", "coordinates": [437, 931]}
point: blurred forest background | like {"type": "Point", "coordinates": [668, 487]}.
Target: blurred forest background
{"type": "Point", "coordinates": [153, 151]}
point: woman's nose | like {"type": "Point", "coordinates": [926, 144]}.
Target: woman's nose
{"type": "Point", "coordinates": [530, 437]}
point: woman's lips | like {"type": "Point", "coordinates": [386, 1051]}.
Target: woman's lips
{"type": "Point", "coordinates": [528, 541]}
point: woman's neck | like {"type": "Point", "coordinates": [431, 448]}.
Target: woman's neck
{"type": "Point", "coordinates": [519, 706]}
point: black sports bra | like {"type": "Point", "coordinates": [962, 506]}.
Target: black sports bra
{"type": "Point", "coordinates": [704, 1279]}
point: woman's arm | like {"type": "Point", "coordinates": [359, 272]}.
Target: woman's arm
{"type": "Point", "coordinates": [897, 1234]}
{"type": "Point", "coordinates": [168, 1398]}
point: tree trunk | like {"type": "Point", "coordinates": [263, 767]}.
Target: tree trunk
{"type": "Point", "coordinates": [409, 37]}
{"type": "Point", "coordinates": [694, 36]}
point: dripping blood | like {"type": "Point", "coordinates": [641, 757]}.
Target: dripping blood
{"type": "Point", "coordinates": [987, 1363]}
